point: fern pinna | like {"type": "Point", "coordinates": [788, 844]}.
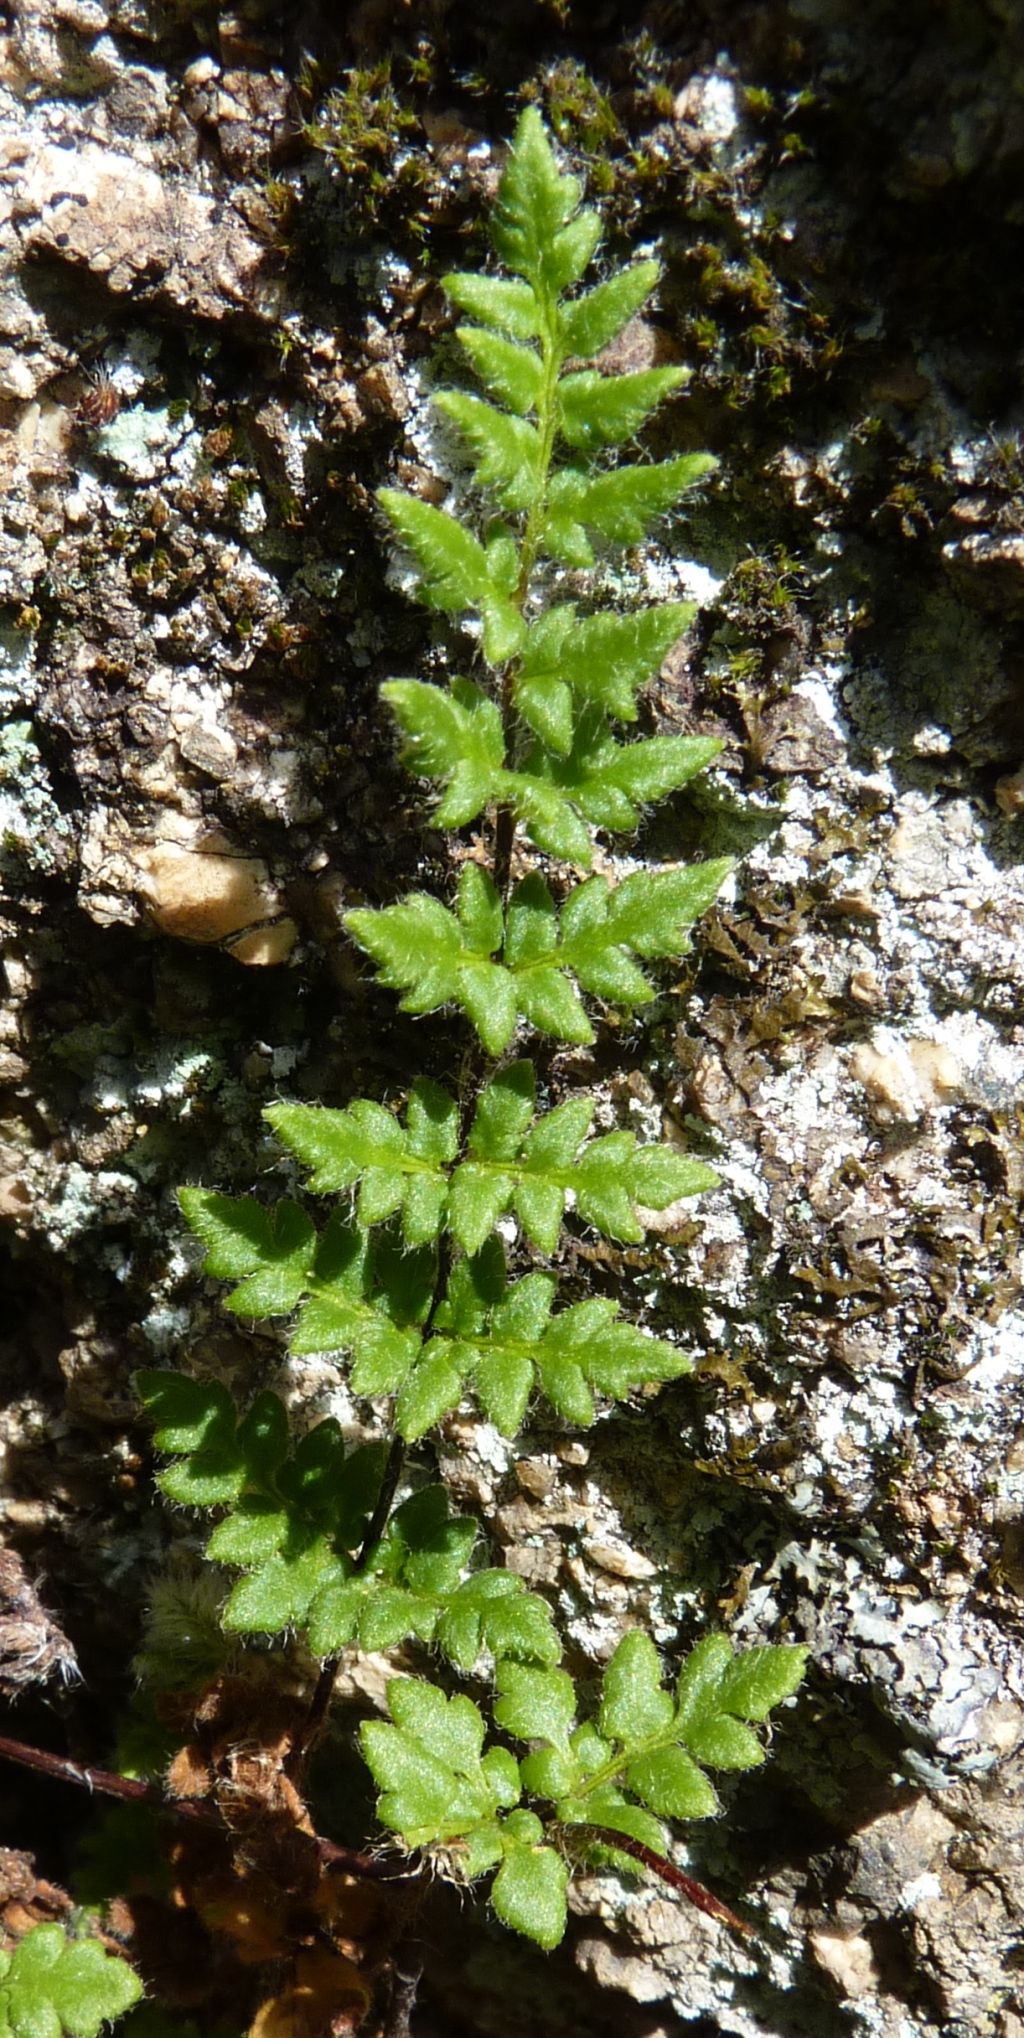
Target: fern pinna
{"type": "Point", "coordinates": [410, 1274]}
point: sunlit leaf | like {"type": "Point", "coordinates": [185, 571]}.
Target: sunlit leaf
{"type": "Point", "coordinates": [52, 1985]}
{"type": "Point", "coordinates": [590, 321]}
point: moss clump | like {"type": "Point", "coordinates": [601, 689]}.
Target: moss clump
{"type": "Point", "coordinates": [582, 116]}
{"type": "Point", "coordinates": [369, 129]}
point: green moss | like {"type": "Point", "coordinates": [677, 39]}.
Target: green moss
{"type": "Point", "coordinates": [580, 113]}
{"type": "Point", "coordinates": [368, 128]}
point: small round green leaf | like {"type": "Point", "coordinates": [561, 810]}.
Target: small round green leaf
{"type": "Point", "coordinates": [671, 1783]}
{"type": "Point", "coordinates": [529, 1894]}
{"type": "Point", "coordinates": [535, 1705]}
{"type": "Point", "coordinates": [634, 1707]}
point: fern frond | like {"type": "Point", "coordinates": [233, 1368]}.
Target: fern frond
{"type": "Point", "coordinates": [621, 504]}
{"type": "Point", "coordinates": [436, 958]}
{"type": "Point", "coordinates": [408, 1278]}
{"type": "Point", "coordinates": [299, 1516]}
{"type": "Point", "coordinates": [418, 1170]}
{"type": "Point", "coordinates": [642, 1758]}
{"type": "Point", "coordinates": [603, 660]}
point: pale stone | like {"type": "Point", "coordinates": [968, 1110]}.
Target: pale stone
{"type": "Point", "coordinates": [866, 988]}
{"type": "Point", "coordinates": [202, 896]}
{"type": "Point", "coordinates": [619, 1561]}
{"type": "Point", "coordinates": [536, 1476]}
{"type": "Point", "coordinates": [849, 1961]}
{"type": "Point", "coordinates": [937, 1070]}
{"type": "Point", "coordinates": [1010, 793]}
{"type": "Point", "coordinates": [263, 947]}
{"type": "Point", "coordinates": [903, 1080]}
{"type": "Point", "coordinates": [925, 846]}
{"type": "Point", "coordinates": [535, 1565]}
{"type": "Point", "coordinates": [212, 750]}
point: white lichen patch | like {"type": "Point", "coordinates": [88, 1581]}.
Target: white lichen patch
{"type": "Point", "coordinates": [18, 681]}
{"type": "Point", "coordinates": [709, 103]}
{"type": "Point", "coordinates": [165, 1329]}
{"type": "Point", "coordinates": [34, 834]}
{"type": "Point", "coordinates": [140, 441]}
{"type": "Point", "coordinates": [178, 1081]}
{"type": "Point", "coordinates": [85, 1199]}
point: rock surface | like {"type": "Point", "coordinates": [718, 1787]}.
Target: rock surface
{"type": "Point", "coordinates": [214, 344]}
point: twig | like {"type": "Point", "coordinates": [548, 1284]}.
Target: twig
{"type": "Point", "coordinates": [694, 1892]}
{"type": "Point", "coordinates": [105, 1781]}
{"type": "Point", "coordinates": [130, 1790]}
{"type": "Point", "coordinates": [405, 1979]}
{"type": "Point", "coordinates": [324, 1685]}
{"type": "Point", "coordinates": [379, 1518]}
{"type": "Point", "coordinates": [504, 842]}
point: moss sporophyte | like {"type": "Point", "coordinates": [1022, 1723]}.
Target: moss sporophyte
{"type": "Point", "coordinates": [413, 1277]}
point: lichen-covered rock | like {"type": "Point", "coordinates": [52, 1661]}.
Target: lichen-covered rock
{"type": "Point", "coordinates": [212, 350]}
{"type": "Point", "coordinates": [98, 210]}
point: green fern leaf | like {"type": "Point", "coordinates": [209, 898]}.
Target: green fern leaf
{"type": "Point", "coordinates": [296, 1521]}
{"type": "Point", "coordinates": [535, 1705]}
{"type": "Point", "coordinates": [428, 1765]}
{"type": "Point", "coordinates": [534, 1173]}
{"type": "Point", "coordinates": [456, 570]}
{"type": "Point", "coordinates": [602, 410]}
{"type": "Point", "coordinates": [279, 1592]}
{"type": "Point", "coordinates": [498, 302]}
{"type": "Point", "coordinates": [436, 958]}
{"type": "Point", "coordinates": [546, 705]}
{"type": "Point", "coordinates": [671, 1783]}
{"type": "Point", "coordinates": [511, 372]}
{"type": "Point", "coordinates": [52, 1985]}
{"type": "Point", "coordinates": [516, 1626]}
{"type": "Point", "coordinates": [608, 782]}
{"type": "Point", "coordinates": [634, 1707]}
{"type": "Point", "coordinates": [649, 914]}
{"type": "Point", "coordinates": [589, 322]}
{"type": "Point", "coordinates": [502, 555]}
{"type": "Point", "coordinates": [424, 951]}
{"type": "Point", "coordinates": [369, 1297]}
{"type": "Point", "coordinates": [550, 819]}
{"type": "Point", "coordinates": [538, 231]}
{"type": "Point", "coordinates": [529, 1890]}
{"type": "Point", "coordinates": [604, 659]}
{"type": "Point", "coordinates": [191, 1415]}
{"type": "Point", "coordinates": [506, 450]}
{"type": "Point", "coordinates": [566, 540]}
{"type": "Point", "coordinates": [457, 736]}
{"type": "Point", "coordinates": [440, 1792]}
{"type": "Point", "coordinates": [502, 1341]}
{"type": "Point", "coordinates": [198, 1423]}
{"type": "Point", "coordinates": [269, 1250]}
{"type": "Point", "coordinates": [644, 1744]}
{"type": "Point", "coordinates": [498, 1341]}
{"type": "Point", "coordinates": [453, 735]}
{"type": "Point", "coordinates": [753, 1684]}
{"type": "Point", "coordinates": [395, 1169]}
{"type": "Point", "coordinates": [196, 1418]}
{"type": "Point", "coordinates": [613, 1809]}
{"type": "Point", "coordinates": [545, 995]}
{"type": "Point", "coordinates": [620, 505]}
